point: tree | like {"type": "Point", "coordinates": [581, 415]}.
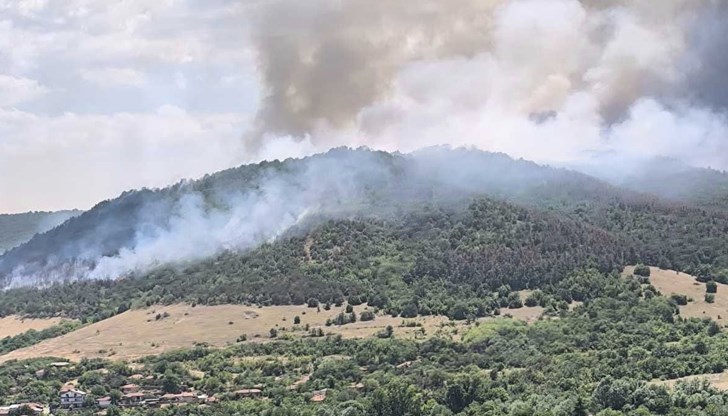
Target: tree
{"type": "Point", "coordinates": [711, 287]}
{"type": "Point", "coordinates": [367, 316]}
{"type": "Point", "coordinates": [312, 302]}
{"type": "Point", "coordinates": [460, 311]}
{"type": "Point", "coordinates": [396, 399]}
{"type": "Point", "coordinates": [296, 320]}
{"type": "Point", "coordinates": [612, 393]}
{"type": "Point", "coordinates": [580, 408]}
{"type": "Point", "coordinates": [642, 270]}
{"type": "Point", "coordinates": [171, 383]}
{"type": "Point", "coordinates": [386, 333]}
{"type": "Point", "coordinates": [409, 311]}
{"type": "Point", "coordinates": [455, 398]}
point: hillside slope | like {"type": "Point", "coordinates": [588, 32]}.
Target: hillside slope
{"type": "Point", "coordinates": [241, 208]}
{"type": "Point", "coordinates": [16, 229]}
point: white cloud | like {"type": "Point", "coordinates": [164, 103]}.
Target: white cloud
{"type": "Point", "coordinates": [76, 160]}
{"type": "Point", "coordinates": [17, 90]}
{"type": "Point", "coordinates": [110, 77]}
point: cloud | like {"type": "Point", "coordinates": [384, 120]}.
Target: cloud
{"type": "Point", "coordinates": [17, 90]}
{"type": "Point", "coordinates": [557, 81]}
{"type": "Point", "coordinates": [76, 160]}
{"type": "Point", "coordinates": [112, 77]}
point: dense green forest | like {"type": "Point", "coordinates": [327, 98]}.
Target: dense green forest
{"type": "Point", "coordinates": [431, 258]}
{"type": "Point", "coordinates": [601, 358]}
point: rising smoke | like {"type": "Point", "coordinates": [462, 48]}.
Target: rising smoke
{"type": "Point", "coordinates": [558, 81]}
{"type": "Point", "coordinates": [599, 83]}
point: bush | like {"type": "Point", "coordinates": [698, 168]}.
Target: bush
{"type": "Point", "coordinates": [386, 332]}
{"type": "Point", "coordinates": [709, 297]}
{"type": "Point", "coordinates": [679, 299]}
{"type": "Point", "coordinates": [642, 270]}
{"type": "Point", "coordinates": [532, 300]}
{"type": "Point", "coordinates": [367, 316]}
{"type": "Point", "coordinates": [711, 287]}
{"type": "Point", "coordinates": [409, 311]}
{"type": "Point", "coordinates": [312, 302]}
{"type": "Point", "coordinates": [296, 320]}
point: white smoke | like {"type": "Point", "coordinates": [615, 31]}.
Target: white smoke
{"type": "Point", "coordinates": [571, 82]}
{"type": "Point", "coordinates": [556, 81]}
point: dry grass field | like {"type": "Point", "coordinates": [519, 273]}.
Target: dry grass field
{"type": "Point", "coordinates": [719, 381]}
{"type": "Point", "coordinates": [137, 333]}
{"type": "Point", "coordinates": [14, 325]}
{"type": "Point", "coordinates": [670, 281]}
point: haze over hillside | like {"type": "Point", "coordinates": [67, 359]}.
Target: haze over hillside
{"type": "Point", "coordinates": [239, 209]}
{"type": "Point", "coordinates": [16, 229]}
{"type": "Point", "coordinates": [243, 207]}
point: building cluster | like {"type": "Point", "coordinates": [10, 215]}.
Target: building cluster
{"type": "Point", "coordinates": [22, 408]}
{"type": "Point", "coordinates": [132, 396]}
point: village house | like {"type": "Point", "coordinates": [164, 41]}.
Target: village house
{"type": "Point", "coordinates": [72, 398]}
{"type": "Point", "coordinates": [132, 399]}
{"type": "Point", "coordinates": [249, 393]}
{"type": "Point", "coordinates": [185, 397]}
{"type": "Point", "coordinates": [35, 408]}
{"type": "Point", "coordinates": [60, 364]}
{"type": "Point", "coordinates": [319, 396]}
{"type": "Point", "coordinates": [103, 402]}
{"type": "Point", "coordinates": [129, 388]}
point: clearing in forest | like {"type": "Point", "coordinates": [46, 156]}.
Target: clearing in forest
{"type": "Point", "coordinates": [141, 332]}
{"type": "Point", "coordinates": [671, 282]}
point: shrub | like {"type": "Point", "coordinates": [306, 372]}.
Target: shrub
{"type": "Point", "coordinates": [642, 270]}
{"type": "Point", "coordinates": [711, 287]}
{"type": "Point", "coordinates": [296, 320]}
{"type": "Point", "coordinates": [679, 299]}
{"type": "Point", "coordinates": [409, 311]}
{"type": "Point", "coordinates": [709, 297]}
{"type": "Point", "coordinates": [367, 316]}
{"type": "Point", "coordinates": [312, 302]}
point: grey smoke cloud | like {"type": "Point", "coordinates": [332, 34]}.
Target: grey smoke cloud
{"type": "Point", "coordinates": [403, 75]}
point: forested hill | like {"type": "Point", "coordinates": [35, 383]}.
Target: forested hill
{"type": "Point", "coordinates": [16, 229]}
{"type": "Point", "coordinates": [676, 181]}
{"type": "Point", "coordinates": [235, 211]}
{"type": "Point", "coordinates": [241, 208]}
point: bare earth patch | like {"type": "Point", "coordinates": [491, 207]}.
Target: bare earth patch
{"type": "Point", "coordinates": [14, 325]}
{"type": "Point", "coordinates": [670, 281]}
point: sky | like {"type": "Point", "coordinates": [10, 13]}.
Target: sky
{"type": "Point", "coordinates": [101, 96]}
{"type": "Point", "coordinates": [97, 97]}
